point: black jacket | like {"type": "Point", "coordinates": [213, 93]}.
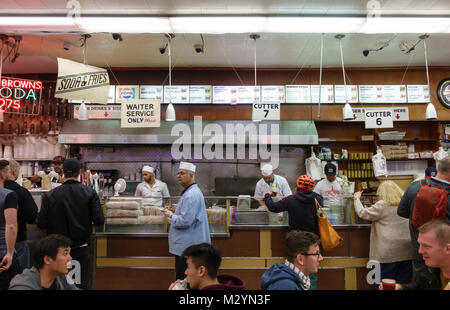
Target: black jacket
{"type": "Point", "coordinates": [27, 209]}
{"type": "Point", "coordinates": [301, 209]}
{"type": "Point", "coordinates": [425, 279]}
{"type": "Point", "coordinates": [69, 210]}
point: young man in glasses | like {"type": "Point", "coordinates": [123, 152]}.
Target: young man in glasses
{"type": "Point", "coordinates": [302, 259]}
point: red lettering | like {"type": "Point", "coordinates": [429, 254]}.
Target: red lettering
{"type": "Point", "coordinates": [10, 83]}
{"type": "Point", "coordinates": [16, 104]}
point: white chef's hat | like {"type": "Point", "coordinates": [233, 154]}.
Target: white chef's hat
{"type": "Point", "coordinates": [187, 166]}
{"type": "Point", "coordinates": [148, 169]}
{"type": "Point", "coordinates": [266, 170]}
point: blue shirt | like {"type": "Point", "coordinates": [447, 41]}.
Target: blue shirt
{"type": "Point", "coordinates": [189, 222]}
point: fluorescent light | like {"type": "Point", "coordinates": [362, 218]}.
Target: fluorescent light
{"type": "Point", "coordinates": [314, 24]}
{"type": "Point", "coordinates": [124, 24]}
{"type": "Point", "coordinates": [217, 25]}
{"type": "Point", "coordinates": [406, 25]}
{"type": "Point", "coordinates": [226, 24]}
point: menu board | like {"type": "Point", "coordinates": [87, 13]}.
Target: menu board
{"type": "Point", "coordinates": [339, 94]}
{"type": "Point", "coordinates": [326, 96]}
{"type": "Point", "coordinates": [418, 93]}
{"type": "Point", "coordinates": [248, 94]}
{"type": "Point", "coordinates": [176, 94]}
{"type": "Point", "coordinates": [370, 93]}
{"type": "Point", "coordinates": [272, 93]}
{"type": "Point", "coordinates": [200, 94]}
{"type": "Point", "coordinates": [224, 94]}
{"type": "Point", "coordinates": [394, 93]}
{"type": "Point", "coordinates": [151, 92]}
{"type": "Point", "coordinates": [298, 94]}
{"type": "Point", "coordinates": [382, 93]}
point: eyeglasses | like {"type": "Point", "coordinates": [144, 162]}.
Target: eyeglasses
{"type": "Point", "coordinates": [312, 254]}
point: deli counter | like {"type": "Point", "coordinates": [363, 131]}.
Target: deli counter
{"type": "Point", "coordinates": [133, 244]}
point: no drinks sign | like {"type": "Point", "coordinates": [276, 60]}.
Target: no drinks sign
{"type": "Point", "coordinates": [141, 113]}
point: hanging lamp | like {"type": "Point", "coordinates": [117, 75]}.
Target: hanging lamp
{"type": "Point", "coordinates": [254, 37]}
{"type": "Point", "coordinates": [170, 111]}
{"type": "Point", "coordinates": [347, 112]}
{"type": "Point", "coordinates": [83, 114]}
{"type": "Point", "coordinates": [430, 113]}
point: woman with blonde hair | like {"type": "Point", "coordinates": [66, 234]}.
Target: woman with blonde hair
{"type": "Point", "coordinates": [390, 241]}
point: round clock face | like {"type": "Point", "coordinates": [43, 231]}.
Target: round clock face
{"type": "Point", "coordinates": [443, 92]}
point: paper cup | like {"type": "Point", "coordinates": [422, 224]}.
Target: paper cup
{"type": "Point", "coordinates": [388, 284]}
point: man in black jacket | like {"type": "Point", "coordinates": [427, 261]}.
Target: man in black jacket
{"type": "Point", "coordinates": [26, 214]}
{"type": "Point", "coordinates": [70, 210]}
{"type": "Point", "coordinates": [301, 207]}
{"type": "Point", "coordinates": [406, 207]}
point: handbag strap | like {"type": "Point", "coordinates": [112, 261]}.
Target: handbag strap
{"type": "Point", "coordinates": [318, 206]}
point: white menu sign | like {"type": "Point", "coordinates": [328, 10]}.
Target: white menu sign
{"type": "Point", "coordinates": [151, 92]}
{"type": "Point", "coordinates": [272, 93]}
{"type": "Point", "coordinates": [379, 118]}
{"type": "Point", "coordinates": [225, 94]}
{"type": "Point", "coordinates": [298, 94]}
{"type": "Point", "coordinates": [95, 111]}
{"type": "Point", "coordinates": [370, 93]}
{"type": "Point", "coordinates": [339, 93]}
{"type": "Point", "coordinates": [200, 94]}
{"type": "Point", "coordinates": [394, 94]}
{"type": "Point", "coordinates": [248, 94]}
{"type": "Point", "coordinates": [265, 111]}
{"type": "Point", "coordinates": [398, 113]}
{"type": "Point", "coordinates": [176, 94]}
{"type": "Point", "coordinates": [326, 96]}
{"type": "Point", "coordinates": [140, 113]}
{"type": "Point", "coordinates": [418, 93]}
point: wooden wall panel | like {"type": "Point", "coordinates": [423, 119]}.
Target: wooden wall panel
{"type": "Point", "coordinates": [242, 243]}
{"type": "Point", "coordinates": [139, 247]}
{"type": "Point", "coordinates": [361, 274]}
{"type": "Point", "coordinates": [133, 279]}
{"type": "Point", "coordinates": [331, 279]}
{"type": "Point", "coordinates": [278, 243]}
{"type": "Point", "coordinates": [360, 242]}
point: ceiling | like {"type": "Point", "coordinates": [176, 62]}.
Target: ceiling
{"type": "Point", "coordinates": [38, 52]}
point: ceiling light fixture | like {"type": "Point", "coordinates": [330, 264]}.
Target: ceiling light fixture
{"type": "Point", "coordinates": [347, 112]}
{"type": "Point", "coordinates": [254, 37]}
{"type": "Point", "coordinates": [170, 111]}
{"type": "Point", "coordinates": [225, 24]}
{"type": "Point", "coordinates": [84, 114]}
{"type": "Point", "coordinates": [430, 113]}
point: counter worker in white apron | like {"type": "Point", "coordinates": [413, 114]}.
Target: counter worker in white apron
{"type": "Point", "coordinates": [56, 175]}
{"type": "Point", "coordinates": [276, 184]}
{"type": "Point", "coordinates": [152, 188]}
{"type": "Point", "coordinates": [329, 188]}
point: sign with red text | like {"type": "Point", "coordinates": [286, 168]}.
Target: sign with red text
{"type": "Point", "coordinates": [379, 118]}
{"type": "Point", "coordinates": [78, 81]}
{"type": "Point", "coordinates": [141, 113]}
{"type": "Point", "coordinates": [13, 91]}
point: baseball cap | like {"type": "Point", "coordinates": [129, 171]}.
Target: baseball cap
{"type": "Point", "coordinates": [330, 169]}
{"type": "Point", "coordinates": [305, 182]}
{"type": "Point", "coordinates": [430, 172]}
{"type": "Point", "coordinates": [58, 159]}
{"type": "Point", "coordinates": [71, 165]}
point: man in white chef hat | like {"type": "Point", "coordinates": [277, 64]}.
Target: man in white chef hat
{"type": "Point", "coordinates": [189, 223]}
{"type": "Point", "coordinates": [270, 182]}
{"type": "Point", "coordinates": [152, 188]}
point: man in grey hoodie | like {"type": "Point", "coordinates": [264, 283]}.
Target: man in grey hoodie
{"type": "Point", "coordinates": [52, 256]}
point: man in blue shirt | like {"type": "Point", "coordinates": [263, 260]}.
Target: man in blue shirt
{"type": "Point", "coordinates": [189, 223]}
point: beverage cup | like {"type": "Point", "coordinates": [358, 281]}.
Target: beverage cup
{"type": "Point", "coordinates": [388, 284]}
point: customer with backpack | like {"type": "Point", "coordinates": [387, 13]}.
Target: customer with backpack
{"type": "Point", "coordinates": [424, 201]}
{"type": "Point", "coordinates": [390, 242]}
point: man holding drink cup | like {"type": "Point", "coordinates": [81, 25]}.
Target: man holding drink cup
{"type": "Point", "coordinates": [434, 242]}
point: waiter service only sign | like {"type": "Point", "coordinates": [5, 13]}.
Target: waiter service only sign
{"type": "Point", "coordinates": [141, 113]}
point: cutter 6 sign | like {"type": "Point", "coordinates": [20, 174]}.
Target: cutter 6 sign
{"type": "Point", "coordinates": [379, 118]}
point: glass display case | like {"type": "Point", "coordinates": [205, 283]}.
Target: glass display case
{"type": "Point", "coordinates": [134, 215]}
